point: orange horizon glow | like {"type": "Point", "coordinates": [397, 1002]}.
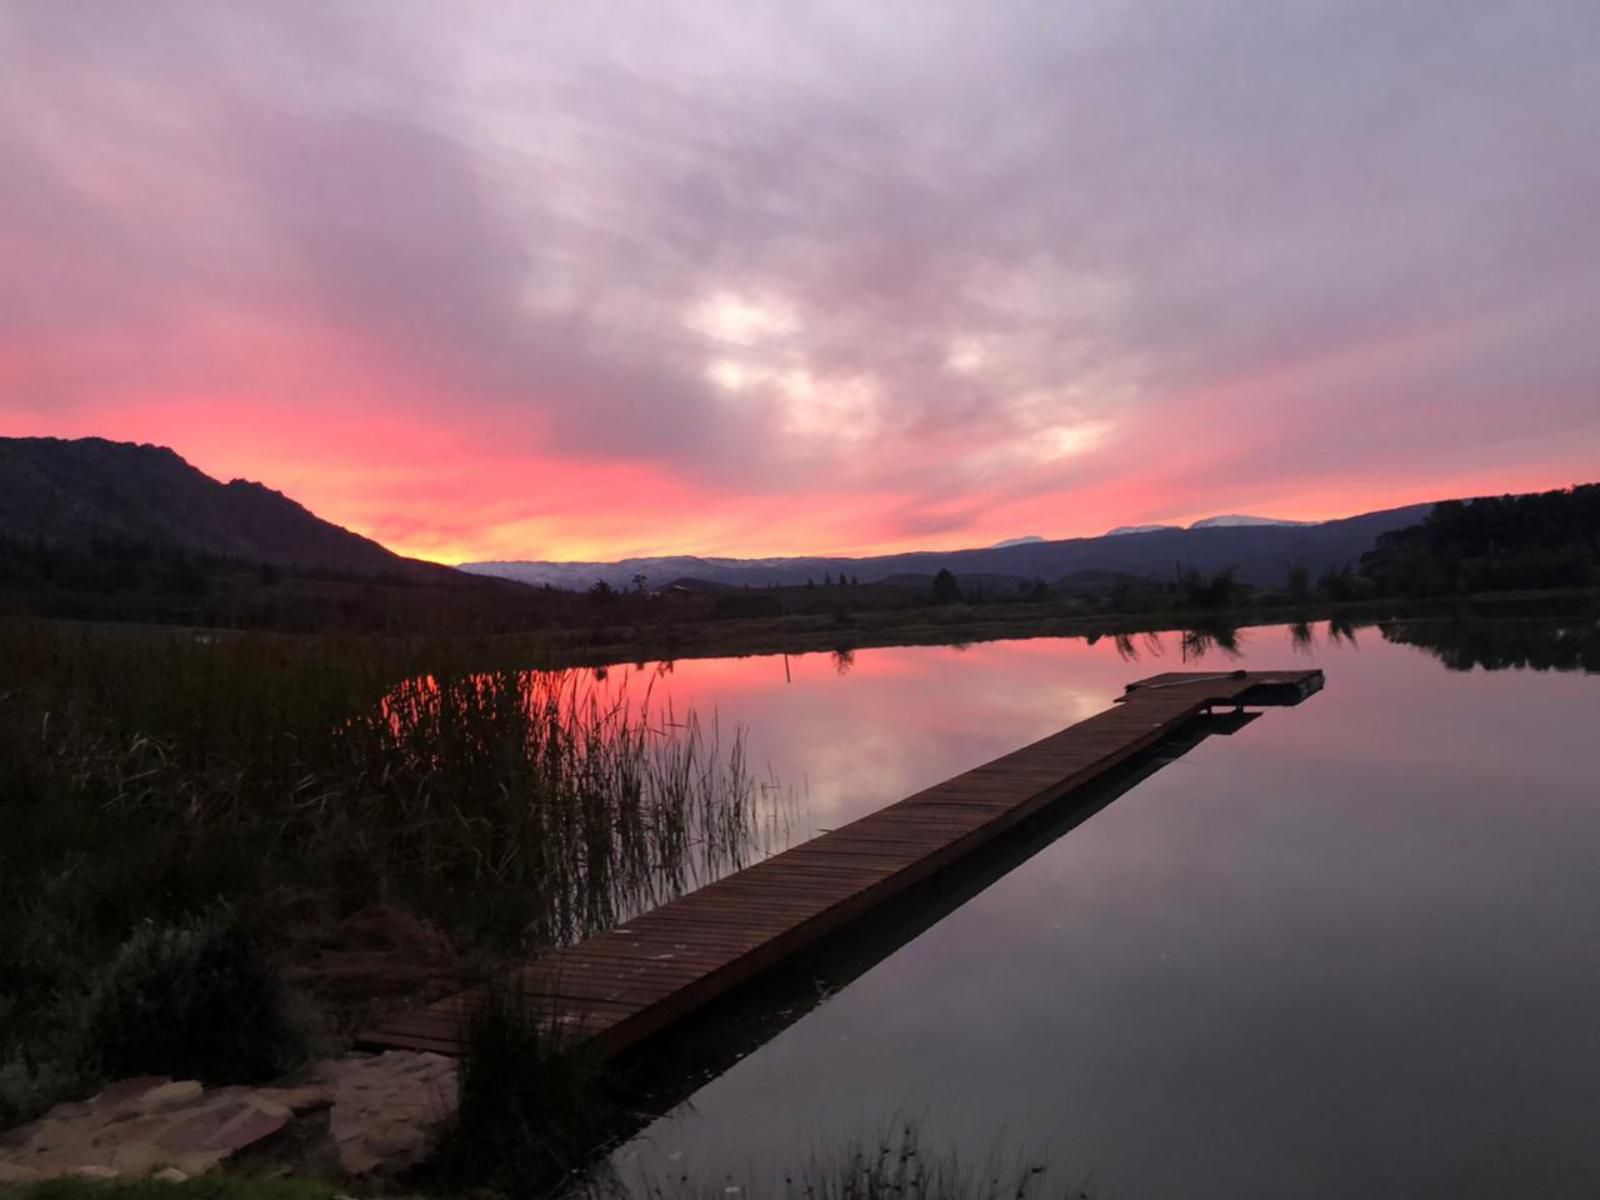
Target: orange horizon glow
{"type": "Point", "coordinates": [434, 500]}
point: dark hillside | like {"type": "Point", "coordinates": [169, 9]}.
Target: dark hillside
{"type": "Point", "coordinates": [1494, 543]}
{"type": "Point", "coordinates": [70, 493]}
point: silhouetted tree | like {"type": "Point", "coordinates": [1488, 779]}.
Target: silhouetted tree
{"type": "Point", "coordinates": [1539, 540]}
{"type": "Point", "coordinates": [945, 588]}
{"type": "Point", "coordinates": [1299, 584]}
{"type": "Point", "coordinates": [1339, 583]}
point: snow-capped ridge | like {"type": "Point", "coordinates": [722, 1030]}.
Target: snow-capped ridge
{"type": "Point", "coordinates": [1025, 540]}
{"type": "Point", "coordinates": [1120, 530]}
{"type": "Point", "coordinates": [1235, 520]}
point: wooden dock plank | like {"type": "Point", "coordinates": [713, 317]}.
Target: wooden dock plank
{"type": "Point", "coordinates": [641, 977]}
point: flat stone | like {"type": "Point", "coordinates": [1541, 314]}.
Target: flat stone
{"type": "Point", "coordinates": [169, 1175]}
{"type": "Point", "coordinates": [255, 1124]}
{"type": "Point", "coordinates": [128, 1089]}
{"type": "Point", "coordinates": [170, 1095]}
{"type": "Point", "coordinates": [194, 1133]}
{"type": "Point", "coordinates": [138, 1127]}
{"type": "Point", "coordinates": [303, 1098]}
{"type": "Point", "coordinates": [389, 1111]}
{"type": "Point", "coordinates": [240, 1120]}
{"type": "Point", "coordinates": [136, 1158]}
{"type": "Point", "coordinates": [195, 1164]}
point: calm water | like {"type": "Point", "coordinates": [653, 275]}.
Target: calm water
{"type": "Point", "coordinates": [1352, 950]}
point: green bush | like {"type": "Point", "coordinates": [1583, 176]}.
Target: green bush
{"type": "Point", "coordinates": [30, 1083]}
{"type": "Point", "coordinates": [201, 1000]}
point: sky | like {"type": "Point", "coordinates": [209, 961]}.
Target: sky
{"type": "Point", "coordinates": [590, 280]}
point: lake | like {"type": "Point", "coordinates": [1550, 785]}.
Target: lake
{"type": "Point", "coordinates": [1353, 949]}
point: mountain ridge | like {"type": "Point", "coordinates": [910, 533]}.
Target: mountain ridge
{"type": "Point", "coordinates": [1261, 554]}
{"type": "Point", "coordinates": [74, 491]}
{"type": "Point", "coordinates": [71, 491]}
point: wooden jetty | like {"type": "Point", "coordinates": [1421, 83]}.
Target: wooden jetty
{"type": "Point", "coordinates": [638, 979]}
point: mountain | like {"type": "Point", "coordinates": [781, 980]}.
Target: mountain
{"type": "Point", "coordinates": [1027, 540]}
{"type": "Point", "coordinates": [1229, 521]}
{"type": "Point", "coordinates": [1260, 554]}
{"type": "Point", "coordinates": [70, 493]}
{"type": "Point", "coordinates": [1122, 530]}
{"type": "Point", "coordinates": [1235, 520]}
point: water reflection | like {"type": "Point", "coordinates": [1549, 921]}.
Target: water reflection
{"type": "Point", "coordinates": [1348, 951]}
{"type": "Point", "coordinates": [1498, 645]}
{"type": "Point", "coordinates": [565, 805]}
{"type": "Point", "coordinates": [668, 1071]}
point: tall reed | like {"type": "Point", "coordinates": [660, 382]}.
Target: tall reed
{"type": "Point", "coordinates": [150, 776]}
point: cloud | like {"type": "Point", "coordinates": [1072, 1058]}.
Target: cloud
{"type": "Point", "coordinates": [940, 269]}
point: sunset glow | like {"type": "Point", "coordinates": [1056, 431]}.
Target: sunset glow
{"type": "Point", "coordinates": [574, 283]}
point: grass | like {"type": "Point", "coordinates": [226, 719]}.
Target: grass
{"type": "Point", "coordinates": [152, 780]}
{"type": "Point", "coordinates": [893, 1165]}
{"type": "Point", "coordinates": [537, 1105]}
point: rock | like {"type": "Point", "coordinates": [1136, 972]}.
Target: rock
{"type": "Point", "coordinates": [169, 1175]}
{"type": "Point", "coordinates": [138, 1126]}
{"type": "Point", "coordinates": [223, 1128]}
{"type": "Point", "coordinates": [389, 1111]}
{"type": "Point", "coordinates": [171, 1095]}
{"type": "Point", "coordinates": [135, 1158]}
{"type": "Point", "coordinates": [300, 1099]}
{"type": "Point", "coordinates": [128, 1089]}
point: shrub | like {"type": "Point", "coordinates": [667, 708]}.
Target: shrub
{"type": "Point", "coordinates": [535, 1103]}
{"type": "Point", "coordinates": [31, 1083]}
{"type": "Point", "coordinates": [201, 999]}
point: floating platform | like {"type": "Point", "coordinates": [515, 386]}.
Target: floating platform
{"type": "Point", "coordinates": [640, 978]}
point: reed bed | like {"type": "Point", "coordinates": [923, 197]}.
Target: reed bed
{"type": "Point", "coordinates": [893, 1164]}
{"type": "Point", "coordinates": [152, 779]}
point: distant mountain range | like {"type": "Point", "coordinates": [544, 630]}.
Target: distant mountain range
{"type": "Point", "coordinates": [72, 492]}
{"type": "Point", "coordinates": [66, 492]}
{"type": "Point", "coordinates": [1017, 541]}
{"type": "Point", "coordinates": [1261, 550]}
{"type": "Point", "coordinates": [1229, 521]}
